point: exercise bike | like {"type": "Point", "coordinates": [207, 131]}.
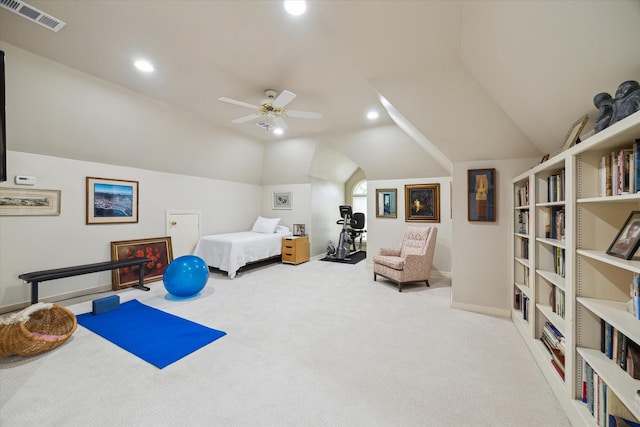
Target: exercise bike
{"type": "Point", "coordinates": [352, 227]}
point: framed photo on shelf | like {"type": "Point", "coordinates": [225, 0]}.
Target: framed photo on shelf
{"type": "Point", "coordinates": [481, 194]}
{"type": "Point", "coordinates": [627, 240]}
{"type": "Point", "coordinates": [111, 201]}
{"type": "Point", "coordinates": [28, 201]}
{"type": "Point", "coordinates": [386, 203]}
{"type": "Point", "coordinates": [422, 202]}
{"type": "Point", "coordinates": [159, 250]}
{"type": "Point", "coordinates": [282, 200]}
{"type": "Point", "coordinates": [574, 132]}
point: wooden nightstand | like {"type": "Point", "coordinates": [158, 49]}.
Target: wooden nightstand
{"type": "Point", "coordinates": [295, 249]}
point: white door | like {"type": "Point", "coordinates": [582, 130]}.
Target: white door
{"type": "Point", "coordinates": [184, 229]}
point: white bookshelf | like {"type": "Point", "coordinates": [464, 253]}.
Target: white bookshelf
{"type": "Point", "coordinates": [595, 286]}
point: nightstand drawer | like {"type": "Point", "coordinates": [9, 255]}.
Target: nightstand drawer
{"type": "Point", "coordinates": [289, 257]}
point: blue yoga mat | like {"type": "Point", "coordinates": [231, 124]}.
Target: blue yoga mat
{"type": "Point", "coordinates": [156, 336]}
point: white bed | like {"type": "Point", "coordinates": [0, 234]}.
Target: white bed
{"type": "Point", "coordinates": [230, 251]}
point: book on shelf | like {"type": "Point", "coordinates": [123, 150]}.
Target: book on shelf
{"type": "Point", "coordinates": [620, 349]}
{"type": "Point", "coordinates": [559, 369]}
{"type": "Point", "coordinates": [636, 157]}
{"type": "Point", "coordinates": [522, 195]}
{"type": "Point", "coordinates": [556, 301]}
{"type": "Point", "coordinates": [559, 261]}
{"type": "Point", "coordinates": [634, 293]}
{"type": "Point", "coordinates": [523, 222]}
{"type": "Point", "coordinates": [633, 360]}
{"type": "Point", "coordinates": [620, 171]}
{"type": "Point", "coordinates": [615, 408]}
{"type": "Point", "coordinates": [555, 187]}
{"type": "Point", "coordinates": [621, 422]}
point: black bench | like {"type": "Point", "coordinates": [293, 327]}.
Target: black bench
{"type": "Point", "coordinates": [40, 276]}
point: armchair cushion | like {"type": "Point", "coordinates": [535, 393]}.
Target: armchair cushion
{"type": "Point", "coordinates": [394, 262]}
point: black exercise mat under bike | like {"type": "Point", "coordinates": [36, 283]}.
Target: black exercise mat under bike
{"type": "Point", "coordinates": [352, 259]}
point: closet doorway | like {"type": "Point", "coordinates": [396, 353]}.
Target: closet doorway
{"type": "Point", "coordinates": [184, 229]}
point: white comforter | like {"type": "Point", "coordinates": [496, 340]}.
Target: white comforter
{"type": "Point", "coordinates": [230, 251]}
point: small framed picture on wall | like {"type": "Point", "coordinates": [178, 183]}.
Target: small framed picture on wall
{"type": "Point", "coordinates": [481, 194]}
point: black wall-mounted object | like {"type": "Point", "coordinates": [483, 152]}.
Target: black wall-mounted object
{"type": "Point", "coordinates": [3, 122]}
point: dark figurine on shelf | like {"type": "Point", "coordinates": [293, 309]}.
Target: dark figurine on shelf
{"type": "Point", "coordinates": [626, 102]}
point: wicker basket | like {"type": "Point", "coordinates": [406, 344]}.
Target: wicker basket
{"type": "Point", "coordinates": [38, 328]}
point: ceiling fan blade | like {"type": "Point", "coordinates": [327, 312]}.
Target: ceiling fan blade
{"type": "Point", "coordinates": [304, 114]}
{"type": "Point", "coordinates": [279, 122]}
{"type": "Point", "coordinates": [283, 99]}
{"type": "Point", "coordinates": [246, 118]}
{"type": "Point", "coordinates": [240, 103]}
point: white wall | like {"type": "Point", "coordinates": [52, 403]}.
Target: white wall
{"type": "Point", "coordinates": [388, 232]}
{"type": "Point", "coordinates": [79, 116]}
{"type": "Point", "coordinates": [43, 242]}
{"type": "Point", "coordinates": [326, 197]}
{"type": "Point", "coordinates": [481, 250]}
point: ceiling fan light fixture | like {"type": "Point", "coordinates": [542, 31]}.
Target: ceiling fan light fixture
{"type": "Point", "coordinates": [295, 7]}
{"type": "Point", "coordinates": [278, 131]}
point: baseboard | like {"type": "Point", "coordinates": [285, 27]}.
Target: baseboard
{"type": "Point", "coordinates": [56, 298]}
{"type": "Point", "coordinates": [481, 309]}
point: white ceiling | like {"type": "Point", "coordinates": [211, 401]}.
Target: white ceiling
{"type": "Point", "coordinates": [478, 79]}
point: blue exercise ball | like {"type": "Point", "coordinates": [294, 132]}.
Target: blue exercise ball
{"type": "Point", "coordinates": [185, 276]}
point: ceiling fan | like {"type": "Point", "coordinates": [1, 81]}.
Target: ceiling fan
{"type": "Point", "coordinates": [272, 109]}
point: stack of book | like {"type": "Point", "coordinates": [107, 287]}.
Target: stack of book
{"type": "Point", "coordinates": [635, 295]}
{"type": "Point", "coordinates": [620, 349]}
{"type": "Point", "coordinates": [620, 171]}
{"type": "Point", "coordinates": [556, 301]}
{"type": "Point", "coordinates": [603, 403]}
{"type": "Point", "coordinates": [555, 187]}
{"type": "Point", "coordinates": [522, 195]}
{"type": "Point", "coordinates": [554, 218]}
{"type": "Point", "coordinates": [558, 261]}
{"type": "Point", "coordinates": [523, 222]}
{"type": "Point", "coordinates": [554, 341]}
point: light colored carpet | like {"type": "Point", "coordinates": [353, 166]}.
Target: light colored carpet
{"type": "Point", "coordinates": [318, 344]}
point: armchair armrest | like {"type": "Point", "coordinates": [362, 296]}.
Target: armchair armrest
{"type": "Point", "coordinates": [389, 252]}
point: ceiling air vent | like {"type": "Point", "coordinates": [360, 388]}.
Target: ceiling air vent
{"type": "Point", "coordinates": [32, 14]}
{"type": "Point", "coordinates": [265, 125]}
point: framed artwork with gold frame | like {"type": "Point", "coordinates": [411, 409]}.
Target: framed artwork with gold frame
{"type": "Point", "coordinates": [422, 202]}
{"type": "Point", "coordinates": [158, 249]}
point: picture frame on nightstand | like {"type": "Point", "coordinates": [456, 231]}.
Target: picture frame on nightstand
{"type": "Point", "coordinates": [298, 230]}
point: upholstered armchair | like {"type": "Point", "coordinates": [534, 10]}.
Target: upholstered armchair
{"type": "Point", "coordinates": [411, 262]}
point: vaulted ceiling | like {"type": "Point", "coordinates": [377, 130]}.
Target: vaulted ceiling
{"type": "Point", "coordinates": [475, 80]}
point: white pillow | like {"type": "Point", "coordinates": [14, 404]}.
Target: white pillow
{"type": "Point", "coordinates": [265, 225]}
{"type": "Point", "coordinates": [283, 229]}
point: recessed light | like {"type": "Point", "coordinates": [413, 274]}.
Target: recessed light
{"type": "Point", "coordinates": [295, 7]}
{"type": "Point", "coordinates": [372, 115]}
{"type": "Point", "coordinates": [144, 65]}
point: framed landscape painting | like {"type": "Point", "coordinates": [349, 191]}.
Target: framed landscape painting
{"type": "Point", "coordinates": [422, 203]}
{"type": "Point", "coordinates": [111, 201]}
{"type": "Point", "coordinates": [27, 201]}
{"type": "Point", "coordinates": [481, 203]}
{"type": "Point", "coordinates": [158, 249]}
